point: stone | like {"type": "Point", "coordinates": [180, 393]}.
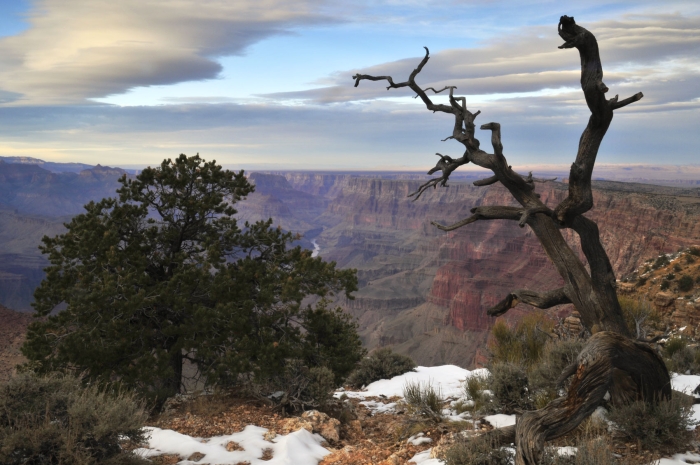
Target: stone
{"type": "Point", "coordinates": [196, 457]}
{"type": "Point", "coordinates": [327, 427]}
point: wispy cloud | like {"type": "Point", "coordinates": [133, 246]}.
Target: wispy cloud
{"type": "Point", "coordinates": [75, 50]}
{"type": "Point", "coordinates": [655, 53]}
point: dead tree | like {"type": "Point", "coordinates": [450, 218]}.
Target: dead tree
{"type": "Point", "coordinates": [612, 362]}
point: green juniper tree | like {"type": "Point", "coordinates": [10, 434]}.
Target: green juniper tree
{"type": "Point", "coordinates": [163, 273]}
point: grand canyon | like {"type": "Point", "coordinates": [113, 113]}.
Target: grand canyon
{"type": "Point", "coordinates": [422, 291]}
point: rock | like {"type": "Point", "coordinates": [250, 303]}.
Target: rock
{"type": "Point", "coordinates": [295, 424]}
{"type": "Point", "coordinates": [196, 457]}
{"type": "Point", "coordinates": [664, 299]}
{"type": "Point", "coordinates": [327, 427]}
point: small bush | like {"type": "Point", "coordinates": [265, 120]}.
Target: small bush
{"type": "Point", "coordinates": [474, 391]}
{"type": "Point", "coordinates": [670, 277]}
{"type": "Point", "coordinates": [641, 281]}
{"type": "Point", "coordinates": [522, 344]}
{"type": "Point", "coordinates": [639, 315]}
{"type": "Point", "coordinates": [689, 259]}
{"type": "Point", "coordinates": [661, 425]}
{"type": "Point", "coordinates": [664, 285]}
{"type": "Point", "coordinates": [480, 450]}
{"type": "Point", "coordinates": [694, 251]}
{"type": "Point", "coordinates": [509, 384]}
{"type": "Point", "coordinates": [56, 420]}
{"type": "Point", "coordinates": [557, 355]}
{"type": "Point", "coordinates": [423, 399]}
{"type": "Point", "coordinates": [298, 387]}
{"type": "Point", "coordinates": [677, 268]}
{"type": "Point", "coordinates": [382, 364]}
{"type": "Point", "coordinates": [673, 345]}
{"type": "Point", "coordinates": [685, 284]}
{"type": "Point", "coordinates": [659, 262]}
{"type": "Point", "coordinates": [591, 451]}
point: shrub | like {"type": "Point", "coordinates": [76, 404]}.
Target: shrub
{"type": "Point", "coordinates": [591, 451]}
{"type": "Point", "coordinates": [677, 268]}
{"type": "Point", "coordinates": [641, 281]}
{"type": "Point", "coordinates": [523, 344]}
{"type": "Point", "coordinates": [659, 262]}
{"type": "Point", "coordinates": [673, 345]}
{"type": "Point", "coordinates": [423, 399]}
{"type": "Point", "coordinates": [509, 384]}
{"type": "Point", "coordinates": [474, 391]}
{"type": "Point", "coordinates": [694, 251]}
{"type": "Point", "coordinates": [664, 285]}
{"type": "Point", "coordinates": [298, 387]}
{"type": "Point", "coordinates": [557, 355]}
{"type": "Point", "coordinates": [382, 364]}
{"type": "Point", "coordinates": [639, 315]}
{"type": "Point", "coordinates": [663, 424]}
{"type": "Point", "coordinates": [57, 420]}
{"type": "Point", "coordinates": [689, 259]}
{"type": "Point", "coordinates": [481, 450]}
{"type": "Point", "coordinates": [685, 283]}
{"type": "Point", "coordinates": [670, 277]}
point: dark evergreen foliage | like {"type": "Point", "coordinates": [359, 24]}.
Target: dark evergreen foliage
{"type": "Point", "coordinates": [163, 273]}
{"type": "Point", "coordinates": [382, 364]}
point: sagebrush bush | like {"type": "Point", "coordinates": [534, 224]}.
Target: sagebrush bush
{"type": "Point", "coordinates": [590, 451]}
{"type": "Point", "coordinates": [673, 345]}
{"type": "Point", "coordinates": [656, 426]}
{"type": "Point", "coordinates": [423, 399]}
{"type": "Point", "coordinates": [56, 420]}
{"type": "Point", "coordinates": [480, 450]}
{"type": "Point", "coordinates": [522, 344]}
{"type": "Point", "coordinates": [557, 355]}
{"type": "Point", "coordinates": [509, 384]}
{"type": "Point", "coordinates": [474, 391]}
{"type": "Point", "coordinates": [684, 360]}
{"type": "Point", "coordinates": [381, 364]}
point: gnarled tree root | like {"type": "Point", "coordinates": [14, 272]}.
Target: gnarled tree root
{"type": "Point", "coordinates": [628, 370]}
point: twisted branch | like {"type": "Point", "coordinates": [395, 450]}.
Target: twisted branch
{"type": "Point", "coordinates": [536, 299]}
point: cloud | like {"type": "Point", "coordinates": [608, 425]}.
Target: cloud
{"type": "Point", "coordinates": [76, 50]}
{"type": "Point", "coordinates": [638, 53]}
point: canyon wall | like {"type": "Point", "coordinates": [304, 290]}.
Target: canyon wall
{"type": "Point", "coordinates": [423, 291]}
{"type": "Point", "coordinates": [426, 292]}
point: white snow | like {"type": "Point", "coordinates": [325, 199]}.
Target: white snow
{"type": "Point", "coordinates": [316, 250]}
{"type": "Point", "coordinates": [423, 458]}
{"type": "Point", "coordinates": [500, 420]}
{"type": "Point", "coordinates": [448, 378]}
{"type": "Point", "coordinates": [297, 448]}
{"type": "Point", "coordinates": [680, 459]}
{"type": "Point", "coordinates": [419, 439]}
{"type": "Point", "coordinates": [684, 383]}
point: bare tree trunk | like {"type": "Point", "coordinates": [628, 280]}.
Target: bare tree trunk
{"type": "Point", "coordinates": [611, 361]}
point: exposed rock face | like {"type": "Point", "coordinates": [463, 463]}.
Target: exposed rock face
{"type": "Point", "coordinates": [426, 292]}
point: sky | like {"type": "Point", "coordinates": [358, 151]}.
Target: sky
{"type": "Point", "coordinates": [267, 84]}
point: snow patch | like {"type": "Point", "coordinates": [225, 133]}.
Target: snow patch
{"type": "Point", "coordinates": [500, 420]}
{"type": "Point", "coordinates": [423, 458]}
{"type": "Point", "coordinates": [297, 448]}
{"type": "Point", "coordinates": [448, 378]}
